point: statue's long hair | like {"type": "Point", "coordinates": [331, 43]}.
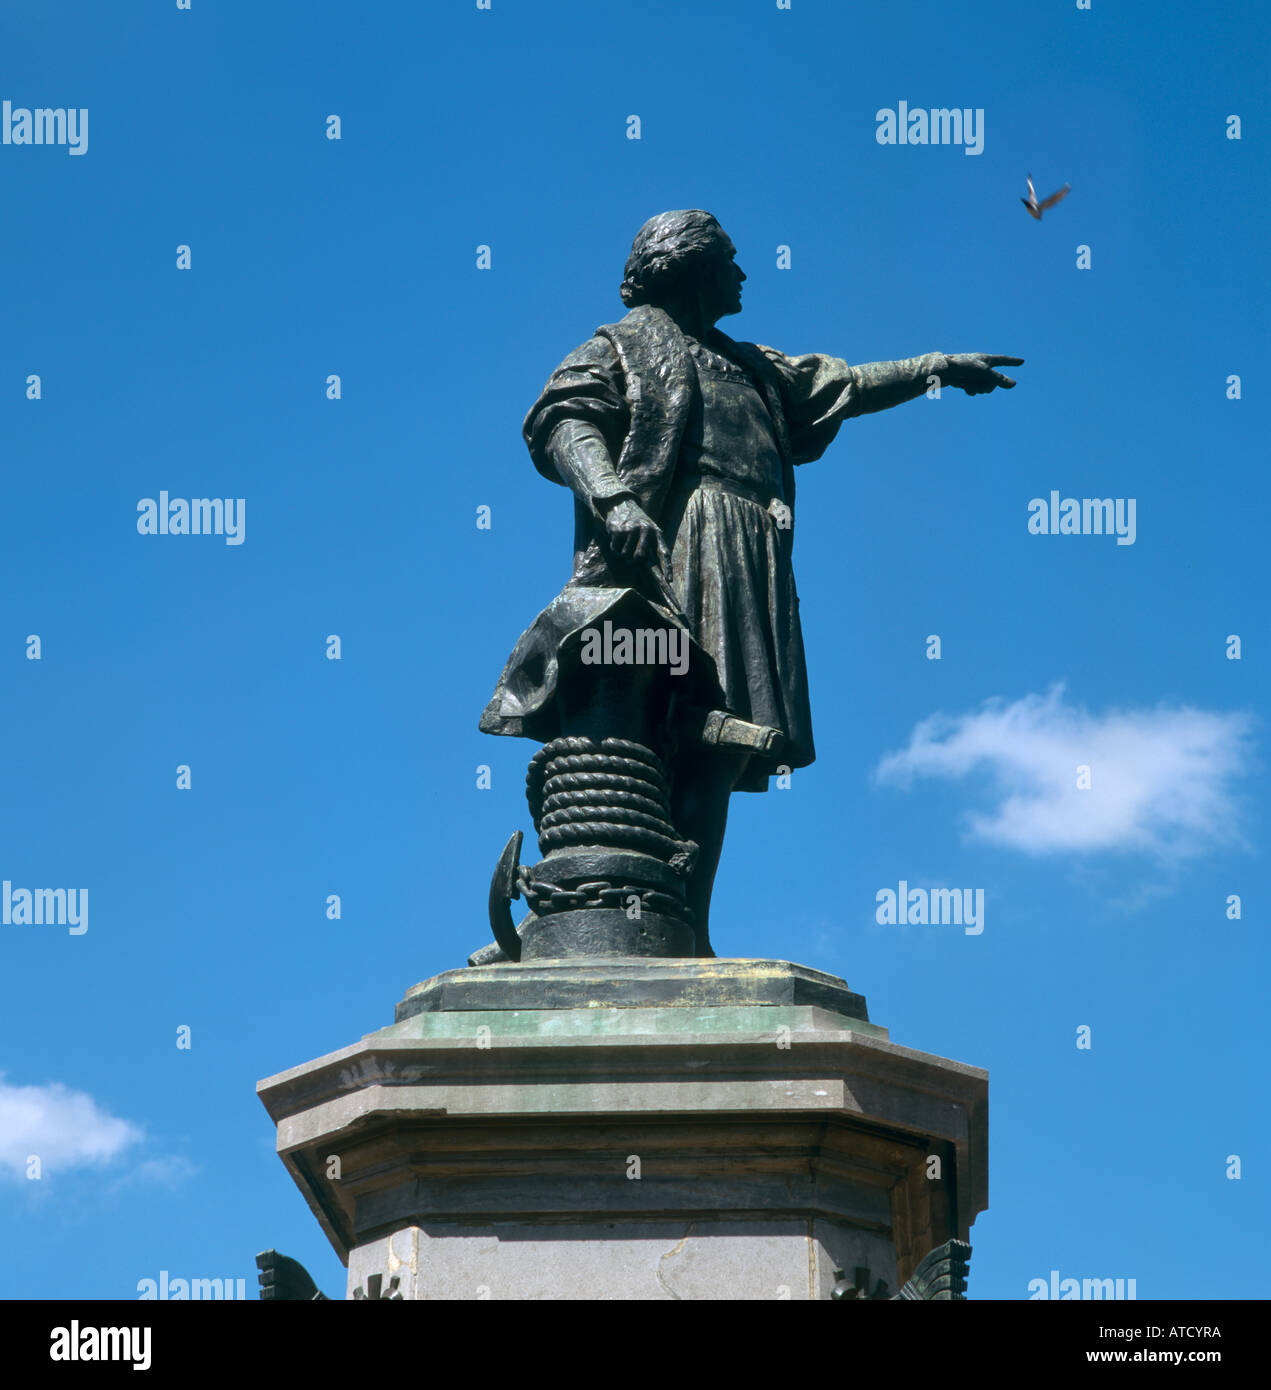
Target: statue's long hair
{"type": "Point", "coordinates": [664, 253]}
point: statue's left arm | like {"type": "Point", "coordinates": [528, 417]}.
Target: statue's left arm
{"type": "Point", "coordinates": [820, 391]}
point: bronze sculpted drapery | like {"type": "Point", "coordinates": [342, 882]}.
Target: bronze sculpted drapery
{"type": "Point", "coordinates": [679, 445]}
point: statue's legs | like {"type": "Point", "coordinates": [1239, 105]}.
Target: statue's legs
{"type": "Point", "coordinates": [703, 781]}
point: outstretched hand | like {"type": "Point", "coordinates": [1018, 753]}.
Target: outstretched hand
{"type": "Point", "coordinates": [973, 372]}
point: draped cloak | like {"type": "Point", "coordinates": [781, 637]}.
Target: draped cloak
{"type": "Point", "coordinates": [637, 383]}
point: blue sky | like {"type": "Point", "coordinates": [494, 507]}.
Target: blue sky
{"type": "Point", "coordinates": [1105, 908]}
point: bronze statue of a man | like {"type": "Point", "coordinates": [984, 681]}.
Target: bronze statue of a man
{"type": "Point", "coordinates": [679, 445]}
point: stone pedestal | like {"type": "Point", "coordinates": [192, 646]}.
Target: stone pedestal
{"type": "Point", "coordinates": [632, 1128]}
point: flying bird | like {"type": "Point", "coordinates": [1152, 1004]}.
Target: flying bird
{"type": "Point", "coordinates": [1035, 209]}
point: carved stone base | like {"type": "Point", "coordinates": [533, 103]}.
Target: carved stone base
{"type": "Point", "coordinates": [750, 1147]}
{"type": "Point", "coordinates": [635, 982]}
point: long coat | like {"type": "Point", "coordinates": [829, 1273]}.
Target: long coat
{"type": "Point", "coordinates": [635, 381]}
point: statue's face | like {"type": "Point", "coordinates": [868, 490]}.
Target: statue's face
{"type": "Point", "coordinates": [722, 278]}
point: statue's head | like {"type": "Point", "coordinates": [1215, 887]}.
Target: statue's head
{"type": "Point", "coordinates": [678, 256]}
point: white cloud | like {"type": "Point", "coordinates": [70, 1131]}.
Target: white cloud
{"type": "Point", "coordinates": [1161, 780]}
{"type": "Point", "coordinates": [168, 1172]}
{"type": "Point", "coordinates": [65, 1128]}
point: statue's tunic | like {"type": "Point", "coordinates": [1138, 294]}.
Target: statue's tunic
{"type": "Point", "coordinates": [705, 437]}
{"type": "Point", "coordinates": [729, 531]}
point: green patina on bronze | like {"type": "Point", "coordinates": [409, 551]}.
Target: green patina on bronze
{"type": "Point", "coordinates": [633, 983]}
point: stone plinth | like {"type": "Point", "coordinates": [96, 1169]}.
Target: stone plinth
{"type": "Point", "coordinates": [735, 1129]}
